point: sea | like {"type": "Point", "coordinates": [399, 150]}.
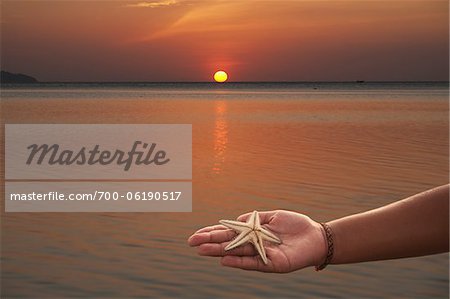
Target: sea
{"type": "Point", "coordinates": [323, 149]}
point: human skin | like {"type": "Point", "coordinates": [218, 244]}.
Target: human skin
{"type": "Point", "coordinates": [415, 226]}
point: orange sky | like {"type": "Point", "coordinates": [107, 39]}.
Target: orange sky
{"type": "Point", "coordinates": [176, 40]}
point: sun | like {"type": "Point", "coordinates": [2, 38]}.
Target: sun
{"type": "Point", "coordinates": [220, 76]}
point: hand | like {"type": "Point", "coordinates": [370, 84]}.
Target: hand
{"type": "Point", "coordinates": [303, 243]}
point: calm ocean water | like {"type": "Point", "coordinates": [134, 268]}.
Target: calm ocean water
{"type": "Point", "coordinates": [323, 149]}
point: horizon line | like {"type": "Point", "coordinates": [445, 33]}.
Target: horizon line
{"type": "Point", "coordinates": [232, 82]}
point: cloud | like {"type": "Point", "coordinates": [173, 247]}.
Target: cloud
{"type": "Point", "coordinates": [154, 4]}
{"type": "Point", "coordinates": [207, 16]}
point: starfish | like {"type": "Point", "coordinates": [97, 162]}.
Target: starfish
{"type": "Point", "coordinates": [250, 232]}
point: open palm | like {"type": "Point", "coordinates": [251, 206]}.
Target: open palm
{"type": "Point", "coordinates": [302, 245]}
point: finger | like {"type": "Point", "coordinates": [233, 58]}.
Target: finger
{"type": "Point", "coordinates": [247, 263]}
{"type": "Point", "coordinates": [193, 237]}
{"type": "Point", "coordinates": [215, 236]}
{"type": "Point", "coordinates": [216, 249]}
{"type": "Point", "coordinates": [264, 217]}
{"type": "Point", "coordinates": [210, 228]}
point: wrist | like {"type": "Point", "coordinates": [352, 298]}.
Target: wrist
{"type": "Point", "coordinates": [327, 245]}
{"type": "Point", "coordinates": [321, 246]}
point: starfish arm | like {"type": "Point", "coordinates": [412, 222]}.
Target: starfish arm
{"type": "Point", "coordinates": [258, 243]}
{"type": "Point", "coordinates": [267, 235]}
{"type": "Point", "coordinates": [235, 225]}
{"type": "Point", "coordinates": [253, 220]}
{"type": "Point", "coordinates": [241, 239]}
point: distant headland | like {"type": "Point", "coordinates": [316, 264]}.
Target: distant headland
{"type": "Point", "coordinates": [7, 77]}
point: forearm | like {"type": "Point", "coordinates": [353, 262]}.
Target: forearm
{"type": "Point", "coordinates": [418, 225]}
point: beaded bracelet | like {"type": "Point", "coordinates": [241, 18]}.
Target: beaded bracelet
{"type": "Point", "coordinates": [330, 245]}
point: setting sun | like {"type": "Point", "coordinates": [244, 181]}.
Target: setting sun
{"type": "Point", "coordinates": [220, 76]}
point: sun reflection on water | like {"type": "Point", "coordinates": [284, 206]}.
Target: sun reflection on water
{"type": "Point", "coordinates": [220, 136]}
